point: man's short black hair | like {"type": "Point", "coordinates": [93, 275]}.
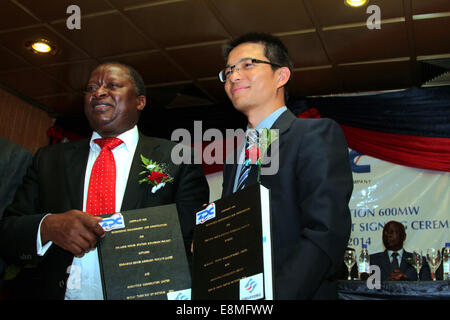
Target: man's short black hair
{"type": "Point", "coordinates": [274, 50]}
{"type": "Point", "coordinates": [137, 79]}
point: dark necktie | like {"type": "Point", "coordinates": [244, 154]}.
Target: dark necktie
{"type": "Point", "coordinates": [101, 196]}
{"type": "Point", "coordinates": [248, 172]}
{"type": "Point", "coordinates": [394, 262]}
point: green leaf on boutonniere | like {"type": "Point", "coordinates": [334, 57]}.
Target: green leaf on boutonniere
{"type": "Point", "coordinates": [267, 137]}
{"type": "Point", "coordinates": [143, 180]}
{"type": "Point", "coordinates": [145, 161]}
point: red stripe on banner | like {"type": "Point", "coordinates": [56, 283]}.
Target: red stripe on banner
{"type": "Point", "coordinates": [311, 113]}
{"type": "Point", "coordinates": [220, 144]}
{"type": "Point", "coordinates": [412, 151]}
{"type": "Point", "coordinates": [211, 168]}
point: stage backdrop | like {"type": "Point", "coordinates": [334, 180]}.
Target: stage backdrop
{"type": "Point", "coordinates": [383, 191]}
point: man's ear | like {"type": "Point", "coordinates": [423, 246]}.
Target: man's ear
{"type": "Point", "coordinates": [142, 101]}
{"type": "Point", "coordinates": [284, 75]}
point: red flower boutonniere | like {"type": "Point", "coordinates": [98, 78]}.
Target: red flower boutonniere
{"type": "Point", "coordinates": [254, 154]}
{"type": "Point", "coordinates": [155, 174]}
{"type": "Point", "coordinates": [157, 177]}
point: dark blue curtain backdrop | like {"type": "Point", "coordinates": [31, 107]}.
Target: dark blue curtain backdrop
{"type": "Point", "coordinates": [410, 127]}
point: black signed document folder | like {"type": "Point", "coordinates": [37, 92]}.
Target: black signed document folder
{"type": "Point", "coordinates": [142, 255]}
{"type": "Point", "coordinates": [232, 248]}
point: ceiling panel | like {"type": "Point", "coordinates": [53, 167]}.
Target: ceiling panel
{"type": "Point", "coordinates": [13, 17]}
{"type": "Point", "coordinates": [215, 88]}
{"type": "Point", "coordinates": [176, 46]}
{"type": "Point", "coordinates": [74, 75]}
{"type": "Point", "coordinates": [395, 75]}
{"type": "Point", "coordinates": [32, 83]}
{"type": "Point", "coordinates": [313, 82]}
{"type": "Point", "coordinates": [10, 61]}
{"type": "Point", "coordinates": [336, 12]}
{"type": "Point", "coordinates": [171, 95]}
{"type": "Point", "coordinates": [105, 35]}
{"type": "Point", "coordinates": [432, 36]}
{"type": "Point", "coordinates": [263, 16]}
{"type": "Point", "coordinates": [362, 44]}
{"type": "Point", "coordinates": [430, 6]}
{"type": "Point", "coordinates": [191, 59]}
{"type": "Point", "coordinates": [153, 67]}
{"type": "Point", "coordinates": [68, 104]}
{"type": "Point", "coordinates": [179, 23]}
{"type": "Point", "coordinates": [305, 50]}
{"type": "Point", "coordinates": [15, 41]}
{"type": "Point", "coordinates": [48, 10]}
{"type": "Point", "coordinates": [122, 4]}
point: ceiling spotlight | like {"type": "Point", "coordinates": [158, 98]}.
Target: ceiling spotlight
{"type": "Point", "coordinates": [41, 46]}
{"type": "Point", "coordinates": [356, 3]}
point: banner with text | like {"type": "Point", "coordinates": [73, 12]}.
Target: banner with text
{"type": "Point", "coordinates": [383, 191]}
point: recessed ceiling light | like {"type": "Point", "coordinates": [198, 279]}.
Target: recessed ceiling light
{"type": "Point", "coordinates": [41, 46]}
{"type": "Point", "coordinates": [356, 3]}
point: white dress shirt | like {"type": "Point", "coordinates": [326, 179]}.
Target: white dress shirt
{"type": "Point", "coordinates": [399, 257]}
{"type": "Point", "coordinates": [84, 282]}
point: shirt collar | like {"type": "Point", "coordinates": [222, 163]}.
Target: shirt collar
{"type": "Point", "coordinates": [270, 119]}
{"type": "Point", "coordinates": [130, 139]}
{"type": "Point", "coordinates": [400, 252]}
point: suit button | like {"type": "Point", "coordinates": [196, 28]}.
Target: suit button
{"type": "Point", "coordinates": [61, 284]}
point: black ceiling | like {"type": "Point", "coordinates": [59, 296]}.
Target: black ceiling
{"type": "Point", "coordinates": [176, 46]}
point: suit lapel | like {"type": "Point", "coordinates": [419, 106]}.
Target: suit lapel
{"type": "Point", "coordinates": [229, 172]}
{"type": "Point", "coordinates": [230, 168]}
{"type": "Point", "coordinates": [75, 159]}
{"type": "Point", "coordinates": [403, 264]}
{"type": "Point", "coordinates": [135, 192]}
{"type": "Point", "coordinates": [282, 124]}
{"type": "Point", "coordinates": [284, 121]}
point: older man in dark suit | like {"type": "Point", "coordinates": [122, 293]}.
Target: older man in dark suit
{"type": "Point", "coordinates": [394, 261]}
{"type": "Point", "coordinates": [52, 221]}
{"type": "Point", "coordinates": [310, 192]}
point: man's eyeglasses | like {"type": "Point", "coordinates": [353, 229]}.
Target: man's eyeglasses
{"type": "Point", "coordinates": [243, 65]}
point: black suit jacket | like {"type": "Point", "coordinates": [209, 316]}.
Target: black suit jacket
{"type": "Point", "coordinates": [309, 205]}
{"type": "Point", "coordinates": [14, 162]}
{"type": "Point", "coordinates": [54, 184]}
{"type": "Point", "coordinates": [382, 260]}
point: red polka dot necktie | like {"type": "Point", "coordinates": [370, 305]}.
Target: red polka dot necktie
{"type": "Point", "coordinates": [101, 198]}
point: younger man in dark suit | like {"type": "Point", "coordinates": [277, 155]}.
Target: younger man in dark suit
{"type": "Point", "coordinates": [393, 261]}
{"type": "Point", "coordinates": [50, 221]}
{"type": "Point", "coordinates": [311, 189]}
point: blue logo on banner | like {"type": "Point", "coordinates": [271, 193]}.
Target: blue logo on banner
{"type": "Point", "coordinates": [206, 214]}
{"type": "Point", "coordinates": [181, 296]}
{"type": "Point", "coordinates": [251, 285]}
{"type": "Point", "coordinates": [113, 222]}
{"type": "Point", "coordinates": [354, 158]}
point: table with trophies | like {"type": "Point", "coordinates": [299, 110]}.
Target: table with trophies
{"type": "Point", "coordinates": [395, 290]}
{"type": "Point", "coordinates": [436, 289]}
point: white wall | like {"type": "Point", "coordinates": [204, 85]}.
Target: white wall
{"type": "Point", "coordinates": [215, 185]}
